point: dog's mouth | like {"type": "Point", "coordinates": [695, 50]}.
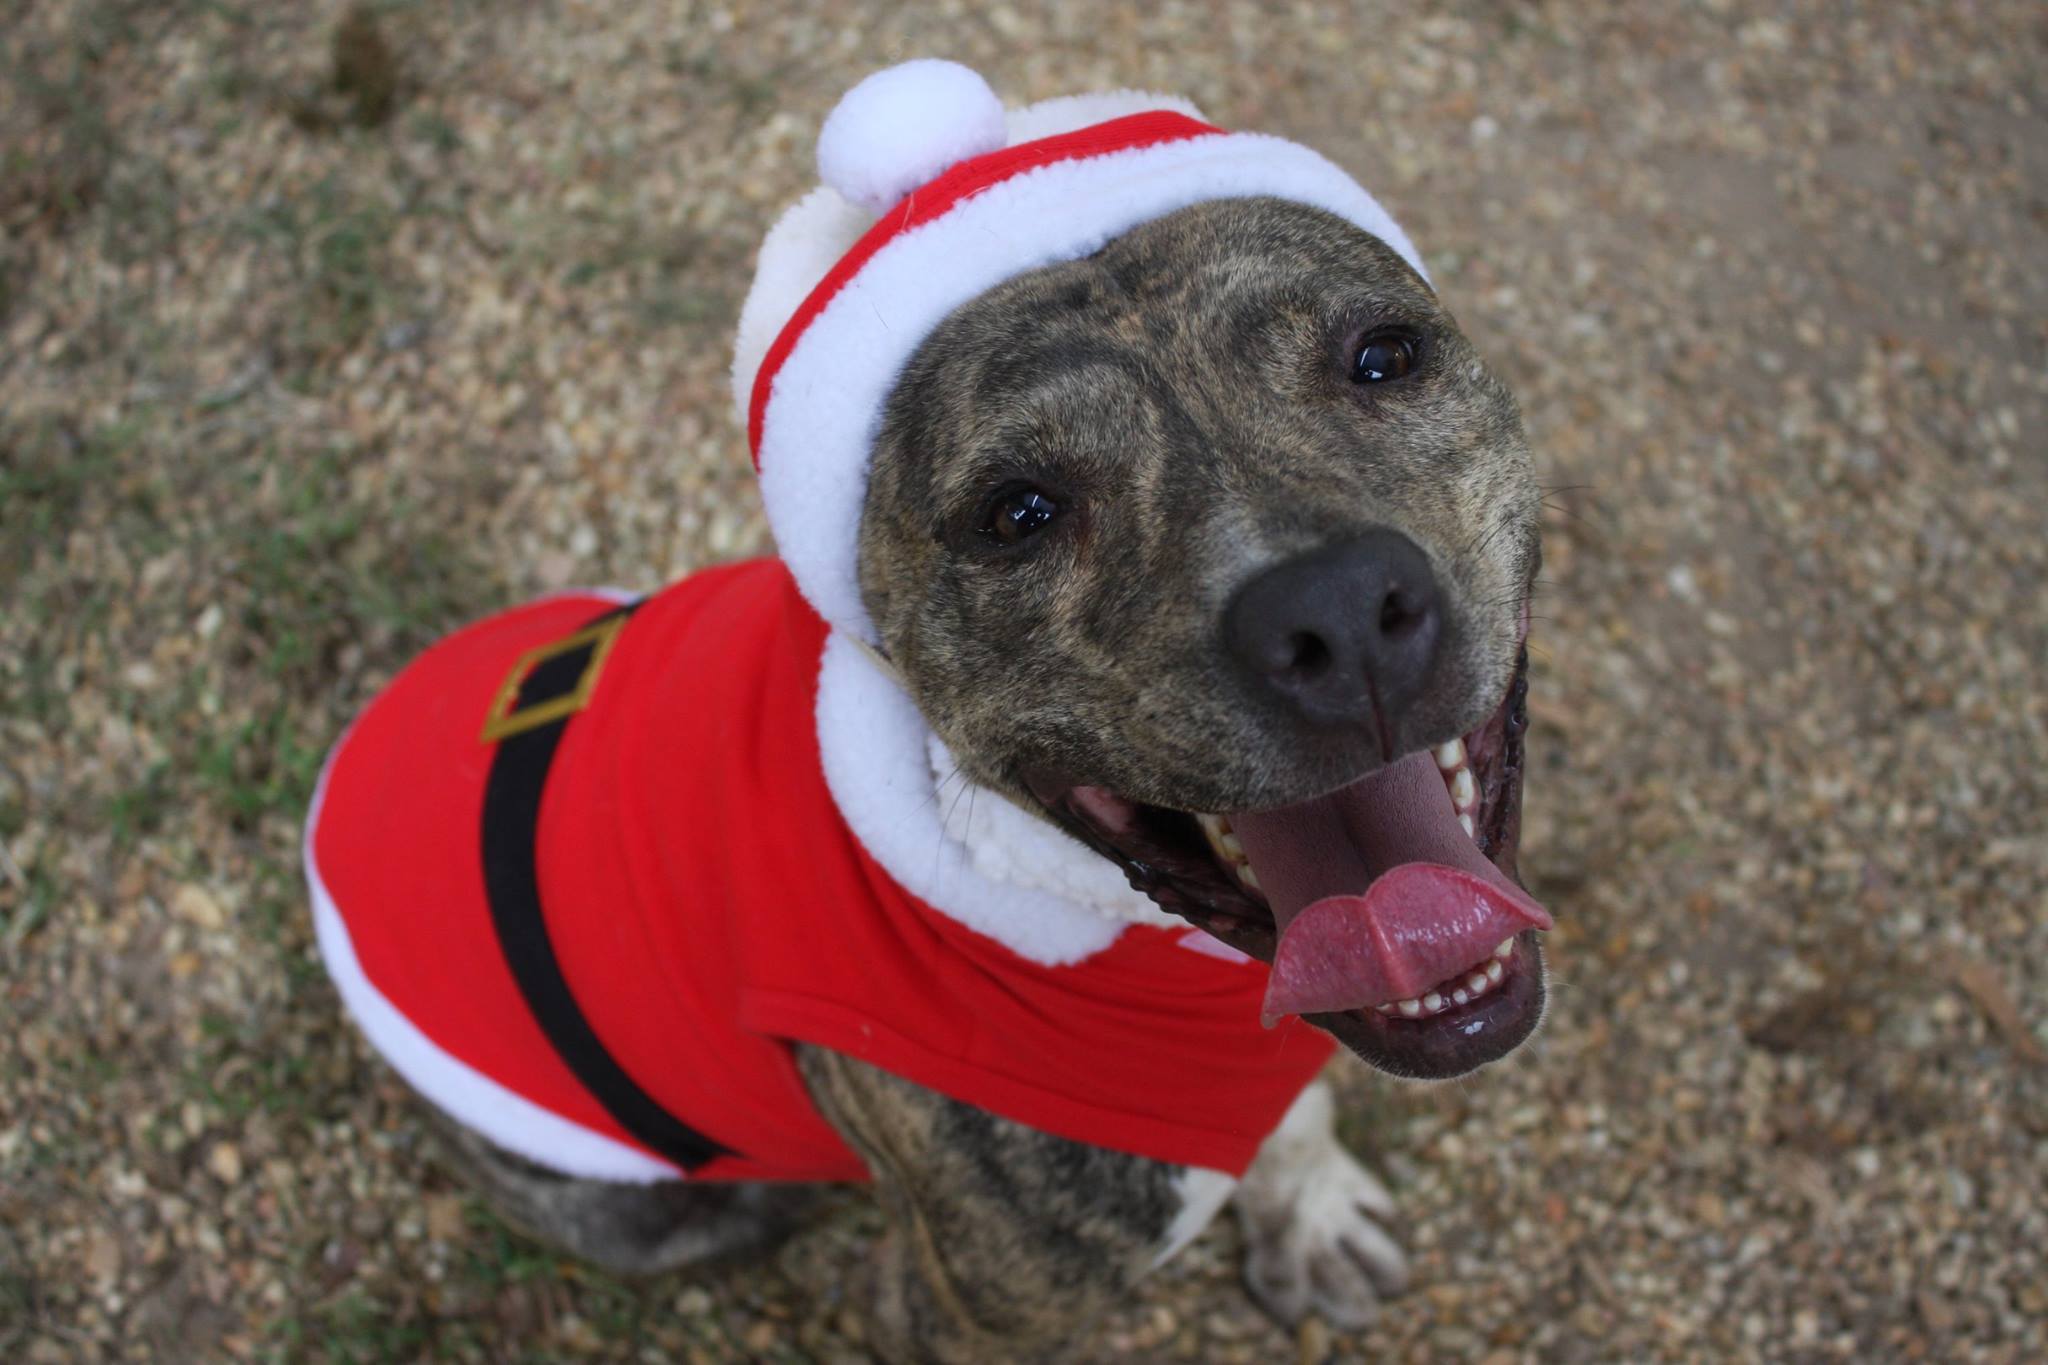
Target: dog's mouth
{"type": "Point", "coordinates": [1389, 909]}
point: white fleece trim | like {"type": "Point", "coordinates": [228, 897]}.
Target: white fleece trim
{"type": "Point", "coordinates": [826, 402]}
{"type": "Point", "coordinates": [465, 1094]}
{"type": "Point", "coordinates": [813, 233]}
{"type": "Point", "coordinates": [805, 243]}
{"type": "Point", "coordinates": [872, 741]}
{"type": "Point", "coordinates": [1006, 843]}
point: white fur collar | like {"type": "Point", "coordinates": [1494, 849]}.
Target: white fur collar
{"type": "Point", "coordinates": [965, 851]}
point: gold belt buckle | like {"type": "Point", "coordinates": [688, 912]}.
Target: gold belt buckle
{"type": "Point", "coordinates": [506, 719]}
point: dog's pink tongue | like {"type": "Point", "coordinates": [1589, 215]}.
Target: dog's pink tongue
{"type": "Point", "coordinates": [1377, 891]}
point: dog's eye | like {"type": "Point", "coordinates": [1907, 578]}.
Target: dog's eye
{"type": "Point", "coordinates": [1382, 357]}
{"type": "Point", "coordinates": [1018, 514]}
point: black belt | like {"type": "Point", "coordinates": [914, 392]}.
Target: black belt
{"type": "Point", "coordinates": [546, 687]}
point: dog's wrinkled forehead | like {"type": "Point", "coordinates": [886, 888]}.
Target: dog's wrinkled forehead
{"type": "Point", "coordinates": [1210, 312]}
{"type": "Point", "coordinates": [1203, 350]}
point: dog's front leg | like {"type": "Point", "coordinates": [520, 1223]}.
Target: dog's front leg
{"type": "Point", "coordinates": [1312, 1218]}
{"type": "Point", "coordinates": [1004, 1242]}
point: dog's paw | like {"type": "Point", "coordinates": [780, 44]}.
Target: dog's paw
{"type": "Point", "coordinates": [1321, 1245]}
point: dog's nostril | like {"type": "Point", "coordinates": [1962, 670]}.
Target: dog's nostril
{"type": "Point", "coordinates": [1309, 655]}
{"type": "Point", "coordinates": [1402, 614]}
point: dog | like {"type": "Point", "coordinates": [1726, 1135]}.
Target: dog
{"type": "Point", "coordinates": [1146, 657]}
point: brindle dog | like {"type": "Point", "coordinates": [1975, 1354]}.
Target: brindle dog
{"type": "Point", "coordinates": [1121, 515]}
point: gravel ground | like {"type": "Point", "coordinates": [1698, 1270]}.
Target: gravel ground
{"type": "Point", "coordinates": [296, 374]}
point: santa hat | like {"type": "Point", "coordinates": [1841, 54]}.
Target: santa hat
{"type": "Point", "coordinates": [934, 194]}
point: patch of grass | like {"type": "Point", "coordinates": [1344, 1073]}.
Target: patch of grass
{"type": "Point", "coordinates": [314, 576]}
{"type": "Point", "coordinates": [140, 222]}
{"type": "Point", "coordinates": [674, 304]}
{"type": "Point", "coordinates": [17, 1300]}
{"type": "Point", "coordinates": [56, 147]}
{"type": "Point", "coordinates": [46, 472]}
{"type": "Point", "coordinates": [140, 810]}
{"type": "Point", "coordinates": [435, 131]}
{"type": "Point", "coordinates": [14, 269]}
{"type": "Point", "coordinates": [663, 269]}
{"type": "Point", "coordinates": [25, 910]}
{"type": "Point", "coordinates": [496, 1256]}
{"type": "Point", "coordinates": [343, 264]}
{"type": "Point", "coordinates": [277, 912]}
{"type": "Point", "coordinates": [87, 1068]}
{"type": "Point", "coordinates": [257, 767]}
{"type": "Point", "coordinates": [713, 77]}
{"type": "Point", "coordinates": [276, 1079]}
{"type": "Point", "coordinates": [353, 1330]}
{"type": "Point", "coordinates": [313, 591]}
{"type": "Point", "coordinates": [336, 243]}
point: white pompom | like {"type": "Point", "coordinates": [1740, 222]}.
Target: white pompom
{"type": "Point", "coordinates": [904, 126]}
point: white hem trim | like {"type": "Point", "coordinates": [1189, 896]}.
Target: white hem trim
{"type": "Point", "coordinates": [461, 1091]}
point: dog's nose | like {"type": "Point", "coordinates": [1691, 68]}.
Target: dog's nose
{"type": "Point", "coordinates": [1342, 635]}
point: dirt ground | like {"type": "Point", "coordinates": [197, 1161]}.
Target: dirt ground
{"type": "Point", "coordinates": [309, 352]}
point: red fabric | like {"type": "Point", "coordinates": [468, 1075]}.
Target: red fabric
{"type": "Point", "coordinates": [708, 906]}
{"type": "Point", "coordinates": [934, 199]}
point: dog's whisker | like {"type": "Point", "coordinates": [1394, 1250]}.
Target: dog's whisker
{"type": "Point", "coordinates": [939, 787]}
{"type": "Point", "coordinates": [964, 789]}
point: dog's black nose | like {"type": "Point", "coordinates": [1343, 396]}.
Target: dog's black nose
{"type": "Point", "coordinates": [1345, 634]}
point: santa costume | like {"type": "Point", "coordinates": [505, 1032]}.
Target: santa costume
{"type": "Point", "coordinates": [586, 870]}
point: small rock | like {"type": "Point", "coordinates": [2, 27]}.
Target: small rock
{"type": "Point", "coordinates": [445, 1222]}
{"type": "Point", "coordinates": [1312, 1341]}
{"type": "Point", "coordinates": [103, 1260]}
{"type": "Point", "coordinates": [403, 336]}
{"type": "Point", "coordinates": [194, 904]}
{"type": "Point", "coordinates": [225, 1161]}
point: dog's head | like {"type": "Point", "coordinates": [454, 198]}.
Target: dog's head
{"type": "Point", "coordinates": [1216, 547]}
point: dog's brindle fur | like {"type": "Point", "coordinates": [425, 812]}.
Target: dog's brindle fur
{"type": "Point", "coordinates": [1184, 396]}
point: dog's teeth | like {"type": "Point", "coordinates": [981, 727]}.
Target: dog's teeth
{"type": "Point", "coordinates": [1464, 791]}
{"type": "Point", "coordinates": [1476, 982]}
{"type": "Point", "coordinates": [1465, 823]}
{"type": "Point", "coordinates": [1222, 842]}
{"type": "Point", "coordinates": [1249, 877]}
{"type": "Point", "coordinates": [1450, 756]}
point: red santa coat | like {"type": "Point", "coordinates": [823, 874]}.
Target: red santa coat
{"type": "Point", "coordinates": [708, 905]}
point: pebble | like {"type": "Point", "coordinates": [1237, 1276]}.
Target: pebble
{"type": "Point", "coordinates": [225, 1161]}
